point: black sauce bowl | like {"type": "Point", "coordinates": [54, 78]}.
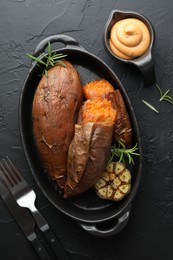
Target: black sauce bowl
{"type": "Point", "coordinates": [144, 63]}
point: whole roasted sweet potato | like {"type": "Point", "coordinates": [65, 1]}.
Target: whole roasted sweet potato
{"type": "Point", "coordinates": [56, 104]}
{"type": "Point", "coordinates": [90, 149]}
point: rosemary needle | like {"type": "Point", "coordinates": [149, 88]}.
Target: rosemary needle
{"type": "Point", "coordinates": [51, 60]}
{"type": "Point", "coordinates": [121, 152]}
{"type": "Point", "coordinates": [165, 96]}
{"type": "Point", "coordinates": [150, 106]}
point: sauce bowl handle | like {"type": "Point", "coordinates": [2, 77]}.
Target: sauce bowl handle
{"type": "Point", "coordinates": [146, 67]}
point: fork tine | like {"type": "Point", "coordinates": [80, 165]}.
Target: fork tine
{"type": "Point", "coordinates": [15, 173]}
{"type": "Point", "coordinates": [9, 173]}
{"type": "Point", "coordinates": [6, 177]}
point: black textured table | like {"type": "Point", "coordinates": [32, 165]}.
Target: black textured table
{"type": "Point", "coordinates": [149, 232]}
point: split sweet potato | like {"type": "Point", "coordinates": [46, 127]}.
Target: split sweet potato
{"type": "Point", "coordinates": [56, 104]}
{"type": "Point", "coordinates": [90, 149]}
{"type": "Point", "coordinates": [102, 88]}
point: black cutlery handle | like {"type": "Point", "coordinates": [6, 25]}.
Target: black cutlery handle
{"type": "Point", "coordinates": [39, 248]}
{"type": "Point", "coordinates": [51, 239]}
{"type": "Point", "coordinates": [55, 245]}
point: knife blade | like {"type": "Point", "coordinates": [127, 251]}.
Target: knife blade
{"type": "Point", "coordinates": [25, 221]}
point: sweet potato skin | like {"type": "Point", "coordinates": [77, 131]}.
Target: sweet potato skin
{"type": "Point", "coordinates": [56, 104]}
{"type": "Point", "coordinates": [88, 155]}
{"type": "Point", "coordinates": [123, 128]}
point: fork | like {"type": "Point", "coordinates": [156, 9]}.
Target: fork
{"type": "Point", "coordinates": [25, 197]}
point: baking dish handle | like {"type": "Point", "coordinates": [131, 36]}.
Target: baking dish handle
{"type": "Point", "coordinates": [101, 230]}
{"type": "Point", "coordinates": [68, 41]}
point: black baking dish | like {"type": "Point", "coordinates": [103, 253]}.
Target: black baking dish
{"type": "Point", "coordinates": [97, 216]}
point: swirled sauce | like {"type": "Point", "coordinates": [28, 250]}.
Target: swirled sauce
{"type": "Point", "coordinates": [129, 38]}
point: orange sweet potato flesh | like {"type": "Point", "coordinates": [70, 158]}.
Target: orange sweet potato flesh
{"type": "Point", "coordinates": [102, 88]}
{"type": "Point", "coordinates": [90, 149]}
{"type": "Point", "coordinates": [56, 104]}
{"type": "Point", "coordinates": [98, 110]}
{"type": "Point", "coordinates": [97, 88]}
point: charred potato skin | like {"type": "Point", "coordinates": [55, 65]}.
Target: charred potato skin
{"type": "Point", "coordinates": [123, 127]}
{"type": "Point", "coordinates": [56, 104]}
{"type": "Point", "coordinates": [88, 155]}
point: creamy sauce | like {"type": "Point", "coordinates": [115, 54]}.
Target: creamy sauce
{"type": "Point", "coordinates": [129, 38]}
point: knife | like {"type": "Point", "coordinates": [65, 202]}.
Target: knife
{"type": "Point", "coordinates": [25, 221]}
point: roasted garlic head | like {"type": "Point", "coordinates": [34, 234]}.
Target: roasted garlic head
{"type": "Point", "coordinates": [114, 183]}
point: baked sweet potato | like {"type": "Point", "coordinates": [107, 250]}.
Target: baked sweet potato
{"type": "Point", "coordinates": [102, 88]}
{"type": "Point", "coordinates": [56, 104]}
{"type": "Point", "coordinates": [90, 149]}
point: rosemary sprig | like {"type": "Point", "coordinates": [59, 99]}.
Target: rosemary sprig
{"type": "Point", "coordinates": [50, 60]}
{"type": "Point", "coordinates": [165, 96]}
{"type": "Point", "coordinates": [121, 152]}
{"type": "Point", "coordinates": [150, 106]}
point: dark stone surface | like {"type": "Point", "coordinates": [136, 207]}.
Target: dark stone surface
{"type": "Point", "coordinates": [149, 232]}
